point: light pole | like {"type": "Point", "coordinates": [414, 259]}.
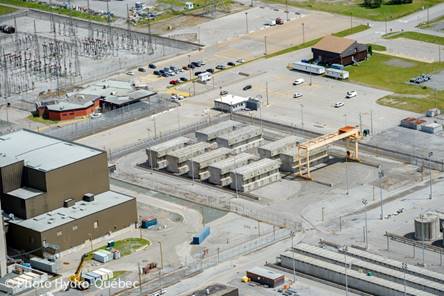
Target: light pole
{"type": "Point", "coordinates": [286, 8]}
{"type": "Point", "coordinates": [292, 234]}
{"type": "Point", "coordinates": [246, 21]}
{"type": "Point", "coordinates": [364, 202]}
{"type": "Point", "coordinates": [381, 175]}
{"type": "Point", "coordinates": [303, 33]}
{"type": "Point", "coordinates": [189, 64]}
{"type": "Point", "coordinates": [345, 249]}
{"type": "Point", "coordinates": [430, 168]}
{"type": "Point", "coordinates": [161, 265]}
{"type": "Point", "coordinates": [346, 175]}
{"type": "Point", "coordinates": [404, 269]}
{"type": "Point", "coordinates": [302, 116]}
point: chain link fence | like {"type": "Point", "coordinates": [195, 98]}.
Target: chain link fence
{"type": "Point", "coordinates": [111, 119]}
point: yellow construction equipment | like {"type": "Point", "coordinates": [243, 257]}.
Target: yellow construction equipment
{"type": "Point", "coordinates": [75, 280]}
{"type": "Point", "coordinates": [245, 279]}
{"type": "Point", "coordinates": [347, 133]}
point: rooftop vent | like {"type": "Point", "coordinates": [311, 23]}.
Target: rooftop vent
{"type": "Point", "coordinates": [89, 197]}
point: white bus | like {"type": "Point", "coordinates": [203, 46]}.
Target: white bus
{"type": "Point", "coordinates": [307, 67]}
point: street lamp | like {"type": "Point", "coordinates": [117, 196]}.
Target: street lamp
{"type": "Point", "coordinates": [430, 168]}
{"type": "Point", "coordinates": [381, 175]}
{"type": "Point", "coordinates": [345, 249]}
{"type": "Point", "coordinates": [404, 269]}
{"type": "Point", "coordinates": [161, 265]}
{"type": "Point", "coordinates": [364, 202]}
{"type": "Point", "coordinates": [292, 234]}
{"type": "Point", "coordinates": [302, 116]}
{"type": "Point", "coordinates": [246, 21]}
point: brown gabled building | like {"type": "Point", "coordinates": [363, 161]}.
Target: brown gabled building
{"type": "Point", "coordinates": [339, 50]}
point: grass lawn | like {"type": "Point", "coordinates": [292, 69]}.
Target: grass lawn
{"type": "Point", "coordinates": [41, 120]}
{"type": "Point", "coordinates": [378, 47]}
{"type": "Point", "coordinates": [357, 10]}
{"type": "Point", "coordinates": [416, 36]}
{"type": "Point", "coordinates": [392, 73]}
{"type": "Point", "coordinates": [125, 246]}
{"type": "Point", "coordinates": [6, 10]}
{"type": "Point", "coordinates": [310, 43]}
{"type": "Point", "coordinates": [431, 23]}
{"type": "Point", "coordinates": [59, 10]}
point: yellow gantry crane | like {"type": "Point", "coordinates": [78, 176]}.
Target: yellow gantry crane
{"type": "Point", "coordinates": [347, 133]}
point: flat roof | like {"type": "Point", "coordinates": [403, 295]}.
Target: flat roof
{"type": "Point", "coordinates": [79, 210]}
{"type": "Point", "coordinates": [266, 273]}
{"type": "Point", "coordinates": [231, 100]}
{"type": "Point", "coordinates": [233, 161]}
{"type": "Point", "coordinates": [42, 152]}
{"type": "Point", "coordinates": [25, 192]}
{"type": "Point", "coordinates": [218, 127]}
{"type": "Point", "coordinates": [211, 154]}
{"type": "Point", "coordinates": [281, 143]}
{"type": "Point", "coordinates": [6, 160]}
{"type": "Point", "coordinates": [168, 144]}
{"type": "Point", "coordinates": [248, 131]}
{"type": "Point", "coordinates": [187, 150]}
{"type": "Point", "coordinates": [67, 106]}
{"type": "Point", "coordinates": [254, 166]}
{"type": "Point", "coordinates": [353, 273]}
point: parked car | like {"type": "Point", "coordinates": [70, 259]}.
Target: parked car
{"type": "Point", "coordinates": [298, 81]}
{"type": "Point", "coordinates": [270, 23]}
{"type": "Point", "coordinates": [183, 79]}
{"type": "Point", "coordinates": [174, 82]}
{"type": "Point", "coordinates": [210, 70]}
{"type": "Point", "coordinates": [279, 21]}
{"type": "Point", "coordinates": [223, 92]}
{"type": "Point", "coordinates": [130, 73]}
{"type": "Point", "coordinates": [196, 64]}
{"type": "Point", "coordinates": [164, 74]}
{"type": "Point", "coordinates": [155, 72]}
{"type": "Point", "coordinates": [185, 68]}
{"type": "Point", "coordinates": [339, 104]}
{"type": "Point", "coordinates": [220, 67]}
{"type": "Point", "coordinates": [247, 87]}
{"type": "Point", "coordinates": [297, 95]}
{"type": "Point", "coordinates": [152, 66]}
{"type": "Point", "coordinates": [141, 69]}
{"type": "Point", "coordinates": [231, 64]}
{"type": "Point", "coordinates": [351, 94]}
{"type": "Point", "coordinates": [197, 73]}
{"type": "Point", "coordinates": [240, 61]}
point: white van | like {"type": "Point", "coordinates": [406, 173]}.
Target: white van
{"type": "Point", "coordinates": [205, 76]}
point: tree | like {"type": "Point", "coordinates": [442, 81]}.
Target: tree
{"type": "Point", "coordinates": [372, 3]}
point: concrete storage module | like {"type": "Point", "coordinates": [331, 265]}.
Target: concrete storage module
{"type": "Point", "coordinates": [266, 277]}
{"type": "Point", "coordinates": [220, 171]}
{"type": "Point", "coordinates": [431, 128]}
{"type": "Point", "coordinates": [157, 154]}
{"type": "Point", "coordinates": [412, 123]}
{"type": "Point", "coordinates": [209, 134]}
{"type": "Point", "coordinates": [241, 139]}
{"type": "Point", "coordinates": [201, 236]}
{"type": "Point", "coordinates": [255, 175]}
{"type": "Point", "coordinates": [274, 149]}
{"type": "Point", "coordinates": [177, 160]}
{"type": "Point", "coordinates": [198, 166]}
{"type": "Point", "coordinates": [103, 256]}
{"type": "Point", "coordinates": [44, 264]}
{"type": "Point", "coordinates": [307, 67]}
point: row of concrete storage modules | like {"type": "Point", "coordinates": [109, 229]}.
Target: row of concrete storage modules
{"type": "Point", "coordinates": [219, 156]}
{"type": "Point", "coordinates": [363, 271]}
{"type": "Point", "coordinates": [421, 125]}
{"type": "Point", "coordinates": [101, 274]}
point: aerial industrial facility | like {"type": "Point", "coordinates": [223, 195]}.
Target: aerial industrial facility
{"type": "Point", "coordinates": [221, 148]}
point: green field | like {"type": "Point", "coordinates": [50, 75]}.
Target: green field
{"type": "Point", "coordinates": [59, 10]}
{"type": "Point", "coordinates": [392, 74]}
{"type": "Point", "coordinates": [416, 36]}
{"type": "Point", "coordinates": [357, 10]}
{"type": "Point", "coordinates": [125, 246]}
{"type": "Point", "coordinates": [6, 10]}
{"type": "Point", "coordinates": [378, 47]}
{"type": "Point", "coordinates": [310, 43]}
{"type": "Point", "coordinates": [41, 120]}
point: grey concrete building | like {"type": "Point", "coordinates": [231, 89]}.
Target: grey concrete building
{"type": "Point", "coordinates": [274, 149]}
{"type": "Point", "coordinates": [290, 163]}
{"type": "Point", "coordinates": [255, 175]}
{"type": "Point", "coordinates": [156, 155]}
{"type": "Point", "coordinates": [198, 166]}
{"type": "Point", "coordinates": [220, 171]}
{"type": "Point", "coordinates": [51, 182]}
{"type": "Point", "coordinates": [241, 139]}
{"type": "Point", "coordinates": [209, 134]}
{"type": "Point", "coordinates": [177, 160]}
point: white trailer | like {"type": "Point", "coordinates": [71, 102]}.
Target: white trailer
{"type": "Point", "coordinates": [205, 76]}
{"type": "Point", "coordinates": [336, 73]}
{"type": "Point", "coordinates": [307, 67]}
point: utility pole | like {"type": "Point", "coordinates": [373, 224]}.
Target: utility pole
{"type": "Point", "coordinates": [246, 20]}
{"type": "Point", "coordinates": [292, 234]}
{"type": "Point", "coordinates": [302, 116]}
{"type": "Point", "coordinates": [161, 266]}
{"type": "Point", "coordinates": [140, 278]}
{"type": "Point", "coordinates": [266, 92]}
{"type": "Point", "coordinates": [423, 243]}
{"type": "Point", "coordinates": [351, 21]}
{"type": "Point", "coordinates": [345, 266]}
{"type": "Point", "coordinates": [265, 44]}
{"type": "Point", "coordinates": [303, 33]}
{"type": "Point", "coordinates": [286, 9]}
{"type": "Point", "coordinates": [404, 269]}
{"type": "Point", "coordinates": [371, 121]}
{"type": "Point", "coordinates": [189, 64]}
{"type": "Point", "coordinates": [430, 168]}
{"type": "Point", "coordinates": [346, 176]}
{"type": "Point", "coordinates": [381, 175]}
{"type": "Point", "coordinates": [364, 202]}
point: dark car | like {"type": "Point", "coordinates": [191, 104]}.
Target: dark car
{"type": "Point", "coordinates": [197, 63]}
{"type": "Point", "coordinates": [185, 68]}
{"type": "Point", "coordinates": [152, 66]}
{"type": "Point", "coordinates": [220, 67]}
{"type": "Point", "coordinates": [191, 66]}
{"type": "Point", "coordinates": [210, 70]}
{"type": "Point", "coordinates": [223, 92]}
{"type": "Point", "coordinates": [141, 69]}
{"type": "Point", "coordinates": [164, 74]}
{"type": "Point", "coordinates": [155, 72]}
{"type": "Point", "coordinates": [183, 79]}
{"type": "Point", "coordinates": [197, 73]}
{"type": "Point", "coordinates": [247, 87]}
{"type": "Point", "coordinates": [231, 64]}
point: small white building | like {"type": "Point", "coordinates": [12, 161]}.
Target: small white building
{"type": "Point", "coordinates": [230, 103]}
{"type": "Point", "coordinates": [189, 5]}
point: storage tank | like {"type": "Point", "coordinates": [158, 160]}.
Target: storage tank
{"type": "Point", "coordinates": [427, 227]}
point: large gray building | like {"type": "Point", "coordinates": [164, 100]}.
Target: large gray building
{"type": "Point", "coordinates": [220, 171]}
{"type": "Point", "coordinates": [274, 149]}
{"type": "Point", "coordinates": [198, 166]}
{"type": "Point", "coordinates": [157, 154]}
{"type": "Point", "coordinates": [241, 139]}
{"type": "Point", "coordinates": [210, 133]}
{"type": "Point", "coordinates": [41, 174]}
{"type": "Point", "coordinates": [255, 175]}
{"type": "Point", "coordinates": [177, 160]}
